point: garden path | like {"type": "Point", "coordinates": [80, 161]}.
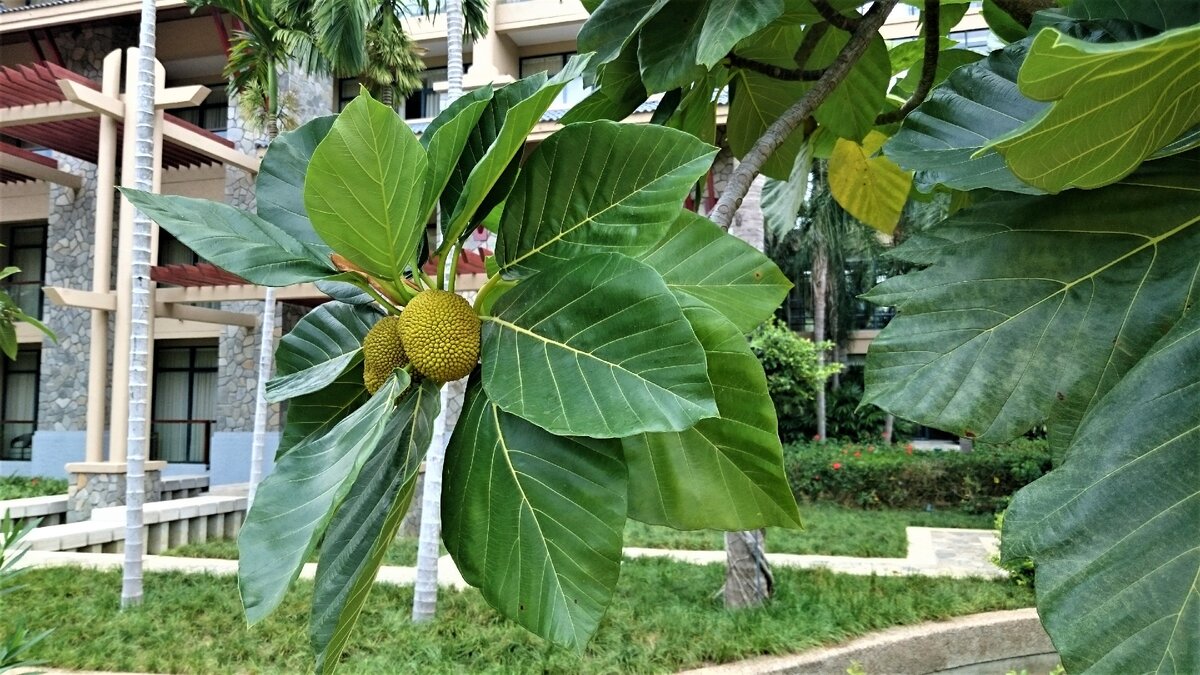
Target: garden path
{"type": "Point", "coordinates": [931, 552]}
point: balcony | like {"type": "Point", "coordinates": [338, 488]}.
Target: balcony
{"type": "Point", "coordinates": [538, 22]}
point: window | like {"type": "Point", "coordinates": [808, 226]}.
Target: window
{"type": "Point", "coordinates": [25, 247]}
{"type": "Point", "coordinates": [212, 114]}
{"type": "Point", "coordinates": [171, 251]}
{"type": "Point", "coordinates": [975, 40]}
{"type": "Point", "coordinates": [574, 92]}
{"type": "Point", "coordinates": [19, 403]}
{"type": "Point", "coordinates": [185, 397]}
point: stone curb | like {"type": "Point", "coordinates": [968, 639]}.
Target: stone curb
{"type": "Point", "coordinates": [925, 648]}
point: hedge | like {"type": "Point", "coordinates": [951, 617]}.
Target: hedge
{"type": "Point", "coordinates": [879, 476]}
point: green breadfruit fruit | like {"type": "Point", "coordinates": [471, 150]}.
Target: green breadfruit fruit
{"type": "Point", "coordinates": [383, 352]}
{"type": "Point", "coordinates": [440, 332]}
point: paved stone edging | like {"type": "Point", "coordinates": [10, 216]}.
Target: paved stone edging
{"type": "Point", "coordinates": [916, 650]}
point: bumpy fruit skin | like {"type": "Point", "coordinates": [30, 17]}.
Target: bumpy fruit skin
{"type": "Point", "coordinates": [383, 352]}
{"type": "Point", "coordinates": [440, 332]}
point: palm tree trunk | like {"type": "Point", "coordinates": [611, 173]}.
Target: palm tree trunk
{"type": "Point", "coordinates": [889, 426]}
{"type": "Point", "coordinates": [139, 355]}
{"type": "Point", "coordinates": [425, 589]}
{"type": "Point", "coordinates": [820, 282]}
{"type": "Point", "coordinates": [387, 96]}
{"type": "Point", "coordinates": [266, 343]}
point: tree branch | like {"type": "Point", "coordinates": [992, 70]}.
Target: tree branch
{"type": "Point", "coordinates": [836, 18]}
{"type": "Point", "coordinates": [777, 133]}
{"type": "Point", "coordinates": [809, 44]}
{"type": "Point", "coordinates": [786, 74]}
{"type": "Point", "coordinates": [929, 64]}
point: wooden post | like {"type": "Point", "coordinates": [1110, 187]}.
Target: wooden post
{"type": "Point", "coordinates": [106, 167]}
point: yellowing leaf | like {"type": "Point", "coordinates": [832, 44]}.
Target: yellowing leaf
{"type": "Point", "coordinates": [872, 189]}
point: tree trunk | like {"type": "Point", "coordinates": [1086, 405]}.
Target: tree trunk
{"type": "Point", "coordinates": [266, 346]}
{"type": "Point", "coordinates": [425, 590]}
{"type": "Point", "coordinates": [139, 349]}
{"type": "Point", "coordinates": [748, 578]}
{"type": "Point", "coordinates": [820, 281]}
{"type": "Point", "coordinates": [387, 96]}
{"type": "Point", "coordinates": [266, 342]}
{"type": "Point", "coordinates": [889, 427]}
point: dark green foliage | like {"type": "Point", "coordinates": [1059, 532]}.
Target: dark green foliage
{"type": "Point", "coordinates": [873, 476]}
{"type": "Point", "coordinates": [793, 374]}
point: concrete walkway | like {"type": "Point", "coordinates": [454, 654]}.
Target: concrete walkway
{"type": "Point", "coordinates": [942, 552]}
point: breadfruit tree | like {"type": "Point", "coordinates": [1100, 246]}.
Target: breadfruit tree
{"type": "Point", "coordinates": [1061, 292]}
{"type": "Point", "coordinates": [609, 373]}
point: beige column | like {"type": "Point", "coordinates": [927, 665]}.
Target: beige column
{"type": "Point", "coordinates": [119, 417]}
{"type": "Point", "coordinates": [106, 167]}
{"type": "Point", "coordinates": [491, 59]}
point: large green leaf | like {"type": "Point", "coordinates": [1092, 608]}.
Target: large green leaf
{"type": "Point", "coordinates": [486, 168]}
{"type": "Point", "coordinates": [726, 472]}
{"type": "Point", "coordinates": [1017, 282]}
{"type": "Point", "coordinates": [445, 138]}
{"type": "Point", "coordinates": [364, 188]}
{"type": "Point", "coordinates": [729, 21]}
{"type": "Point", "coordinates": [595, 346]}
{"type": "Point", "coordinates": [598, 186]}
{"type": "Point", "coordinates": [1115, 531]}
{"type": "Point", "coordinates": [1115, 104]}
{"type": "Point", "coordinates": [619, 94]}
{"type": "Point", "coordinates": [366, 523]}
{"type": "Point", "coordinates": [534, 520]}
{"type": "Point", "coordinates": [614, 23]}
{"type": "Point", "coordinates": [311, 416]}
{"type": "Point", "coordinates": [292, 506]}
{"type": "Point", "coordinates": [850, 109]}
{"type": "Point", "coordinates": [939, 140]}
{"type": "Point", "coordinates": [235, 240]}
{"type": "Point", "coordinates": [699, 259]}
{"type": "Point", "coordinates": [757, 101]}
{"type": "Point", "coordinates": [279, 186]}
{"type": "Point", "coordinates": [668, 45]}
{"type": "Point", "coordinates": [322, 346]}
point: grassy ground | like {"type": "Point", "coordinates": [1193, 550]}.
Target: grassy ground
{"type": "Point", "coordinates": [829, 530]}
{"type": "Point", "coordinates": [19, 487]}
{"type": "Point", "coordinates": [664, 617]}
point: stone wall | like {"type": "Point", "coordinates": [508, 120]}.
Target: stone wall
{"type": "Point", "coordinates": [88, 491]}
{"type": "Point", "coordinates": [62, 404]}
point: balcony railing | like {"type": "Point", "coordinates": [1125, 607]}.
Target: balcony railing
{"type": "Point", "coordinates": [181, 441]}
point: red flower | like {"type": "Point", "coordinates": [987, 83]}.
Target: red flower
{"type": "Point", "coordinates": [857, 453]}
{"type": "Point", "coordinates": [34, 481]}
{"type": "Point", "coordinates": [837, 465]}
{"type": "Point", "coordinates": [816, 437]}
{"type": "Point", "coordinates": [909, 447]}
{"type": "Point", "coordinates": [908, 450]}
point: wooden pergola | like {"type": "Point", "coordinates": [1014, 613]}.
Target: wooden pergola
{"type": "Point", "coordinates": [51, 107]}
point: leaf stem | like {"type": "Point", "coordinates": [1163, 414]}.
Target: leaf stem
{"type": "Point", "coordinates": [481, 306]}
{"type": "Point", "coordinates": [453, 276]}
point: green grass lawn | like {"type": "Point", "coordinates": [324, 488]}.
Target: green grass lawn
{"type": "Point", "coordinates": [664, 617]}
{"type": "Point", "coordinates": [829, 530]}
{"type": "Point", "coordinates": [19, 487]}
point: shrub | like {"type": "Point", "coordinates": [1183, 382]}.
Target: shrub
{"type": "Point", "coordinates": [18, 487]}
{"type": "Point", "coordinates": [793, 374]}
{"type": "Point", "coordinates": [879, 476]}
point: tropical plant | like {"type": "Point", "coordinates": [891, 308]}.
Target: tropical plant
{"type": "Point", "coordinates": [602, 359]}
{"type": "Point", "coordinates": [10, 314]}
{"type": "Point", "coordinates": [1065, 296]}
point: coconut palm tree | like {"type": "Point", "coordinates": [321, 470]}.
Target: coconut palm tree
{"type": "Point", "coordinates": [139, 357]}
{"type": "Point", "coordinates": [425, 589]}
